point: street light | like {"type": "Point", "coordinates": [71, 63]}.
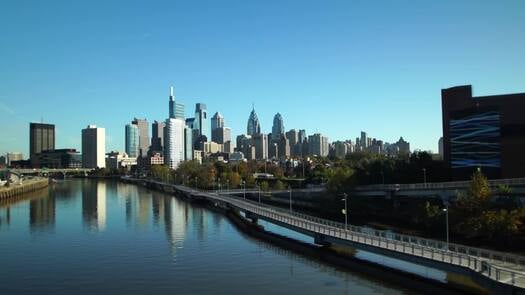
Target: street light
{"type": "Point", "coordinates": [196, 186]}
{"type": "Point", "coordinates": [220, 184]}
{"type": "Point", "coordinates": [345, 195]}
{"type": "Point", "coordinates": [424, 175]}
{"type": "Point", "coordinates": [244, 189]}
{"type": "Point", "coordinates": [290, 187]}
{"type": "Point", "coordinates": [446, 220]}
{"type": "Point", "coordinates": [227, 186]}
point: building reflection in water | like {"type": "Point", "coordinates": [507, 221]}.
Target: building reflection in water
{"type": "Point", "coordinates": [175, 222]}
{"type": "Point", "coordinates": [94, 205]}
{"type": "Point", "coordinates": [42, 213]}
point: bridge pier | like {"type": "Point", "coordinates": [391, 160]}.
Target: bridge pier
{"type": "Point", "coordinates": [320, 239]}
{"type": "Point", "coordinates": [253, 217]}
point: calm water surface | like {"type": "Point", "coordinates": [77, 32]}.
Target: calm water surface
{"type": "Point", "coordinates": [98, 237]}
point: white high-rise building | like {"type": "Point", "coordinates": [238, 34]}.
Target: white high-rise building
{"type": "Point", "coordinates": [174, 146]}
{"type": "Point", "coordinates": [93, 147]}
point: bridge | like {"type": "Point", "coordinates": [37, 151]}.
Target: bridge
{"type": "Point", "coordinates": [493, 270]}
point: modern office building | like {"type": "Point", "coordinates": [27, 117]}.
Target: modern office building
{"type": "Point", "coordinates": [188, 142]}
{"type": "Point", "coordinates": [254, 127]}
{"type": "Point", "coordinates": [278, 127]}
{"type": "Point", "coordinates": [202, 122]}
{"type": "Point", "coordinates": [221, 135]}
{"type": "Point", "coordinates": [260, 142]}
{"type": "Point", "coordinates": [176, 110]}
{"type": "Point", "coordinates": [302, 136]}
{"type": "Point", "coordinates": [174, 147]}
{"type": "Point", "coordinates": [93, 147]}
{"type": "Point", "coordinates": [486, 132]}
{"type": "Point", "coordinates": [132, 140]}
{"type": "Point", "coordinates": [144, 140]}
{"type": "Point", "coordinates": [157, 137]}
{"type": "Point", "coordinates": [318, 145]}
{"type": "Point", "coordinates": [283, 145]}
{"type": "Point", "coordinates": [217, 121]}
{"type": "Point", "coordinates": [41, 138]}
{"type": "Point", "coordinates": [58, 159]}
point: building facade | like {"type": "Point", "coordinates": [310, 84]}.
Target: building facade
{"type": "Point", "coordinates": [202, 122]}
{"type": "Point", "coordinates": [41, 138]}
{"type": "Point", "coordinates": [157, 137]}
{"type": "Point", "coordinates": [486, 132]}
{"type": "Point", "coordinates": [93, 147]}
{"type": "Point", "coordinates": [144, 140]}
{"type": "Point", "coordinates": [174, 148]}
{"type": "Point", "coordinates": [278, 127]}
{"type": "Point", "coordinates": [132, 140]}
{"type": "Point", "coordinates": [254, 127]}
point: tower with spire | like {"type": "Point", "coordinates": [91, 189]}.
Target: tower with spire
{"type": "Point", "coordinates": [254, 127]}
{"type": "Point", "coordinates": [176, 110]}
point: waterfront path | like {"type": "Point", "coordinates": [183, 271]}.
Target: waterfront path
{"type": "Point", "coordinates": [505, 268]}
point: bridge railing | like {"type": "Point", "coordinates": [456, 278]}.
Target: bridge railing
{"type": "Point", "coordinates": [480, 264]}
{"type": "Point", "coordinates": [438, 185]}
{"type": "Point", "coordinates": [479, 260]}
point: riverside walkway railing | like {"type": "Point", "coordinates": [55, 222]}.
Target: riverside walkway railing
{"type": "Point", "coordinates": [502, 267]}
{"type": "Point", "coordinates": [438, 185]}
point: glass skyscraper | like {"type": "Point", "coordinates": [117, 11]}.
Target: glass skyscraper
{"type": "Point", "coordinates": [202, 121]}
{"type": "Point", "coordinates": [176, 109]}
{"type": "Point", "coordinates": [278, 127]}
{"type": "Point", "coordinates": [254, 127]}
{"type": "Point", "coordinates": [132, 140]}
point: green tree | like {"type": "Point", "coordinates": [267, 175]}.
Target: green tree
{"type": "Point", "coordinates": [264, 186]}
{"type": "Point", "coordinates": [279, 185]}
{"type": "Point", "coordinates": [477, 197]}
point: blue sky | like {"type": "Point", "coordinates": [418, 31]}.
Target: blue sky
{"type": "Point", "coordinates": [335, 67]}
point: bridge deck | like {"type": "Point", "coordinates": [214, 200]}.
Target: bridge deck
{"type": "Point", "coordinates": [502, 267]}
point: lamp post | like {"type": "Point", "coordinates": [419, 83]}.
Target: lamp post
{"type": "Point", "coordinates": [259, 189]}
{"type": "Point", "coordinates": [228, 186]}
{"type": "Point", "coordinates": [220, 185]}
{"type": "Point", "coordinates": [290, 187]}
{"type": "Point", "coordinates": [244, 189]}
{"type": "Point", "coordinates": [446, 222]}
{"type": "Point", "coordinates": [345, 196]}
{"type": "Point", "coordinates": [424, 176]}
{"type": "Point", "coordinates": [196, 186]}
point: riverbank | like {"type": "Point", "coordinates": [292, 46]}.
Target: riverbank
{"type": "Point", "coordinates": [335, 256]}
{"type": "Point", "coordinates": [19, 190]}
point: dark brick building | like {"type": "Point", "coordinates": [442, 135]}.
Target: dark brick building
{"type": "Point", "coordinates": [485, 131]}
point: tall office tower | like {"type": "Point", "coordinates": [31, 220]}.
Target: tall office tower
{"type": "Point", "coordinates": [221, 135]}
{"type": "Point", "coordinates": [278, 127]}
{"type": "Point", "coordinates": [93, 147]}
{"type": "Point", "coordinates": [188, 143]}
{"type": "Point", "coordinates": [340, 149]}
{"type": "Point", "coordinates": [132, 140]}
{"type": "Point", "coordinates": [157, 136]}
{"type": "Point", "coordinates": [176, 109]}
{"type": "Point", "coordinates": [364, 140]}
{"type": "Point", "coordinates": [284, 147]}
{"type": "Point", "coordinates": [253, 124]}
{"type": "Point", "coordinates": [144, 140]}
{"type": "Point", "coordinates": [404, 146]}
{"type": "Point", "coordinates": [174, 148]}
{"type": "Point", "coordinates": [217, 121]}
{"type": "Point", "coordinates": [41, 138]}
{"type": "Point", "coordinates": [202, 122]}
{"type": "Point", "coordinates": [293, 140]}
{"type": "Point", "coordinates": [440, 148]}
{"type": "Point", "coordinates": [318, 145]}
{"type": "Point", "coordinates": [260, 141]}
{"type": "Point", "coordinates": [302, 136]}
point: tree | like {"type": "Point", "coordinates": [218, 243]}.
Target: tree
{"type": "Point", "coordinates": [478, 195]}
{"type": "Point", "coordinates": [264, 186]}
{"type": "Point", "coordinates": [279, 185]}
{"type": "Point", "coordinates": [341, 181]}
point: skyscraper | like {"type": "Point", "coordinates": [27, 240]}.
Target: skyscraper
{"type": "Point", "coordinates": [157, 136]}
{"type": "Point", "coordinates": [278, 127]}
{"type": "Point", "coordinates": [144, 140]}
{"type": "Point", "coordinates": [253, 124]}
{"type": "Point", "coordinates": [41, 138]}
{"type": "Point", "coordinates": [93, 147]}
{"type": "Point", "coordinates": [260, 142]}
{"type": "Point", "coordinates": [174, 148]}
{"type": "Point", "coordinates": [217, 121]}
{"type": "Point", "coordinates": [364, 140]}
{"type": "Point", "coordinates": [202, 121]}
{"type": "Point", "coordinates": [176, 109]}
{"type": "Point", "coordinates": [318, 145]}
{"type": "Point", "coordinates": [132, 140]}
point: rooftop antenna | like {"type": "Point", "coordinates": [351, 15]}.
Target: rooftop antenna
{"type": "Point", "coordinates": [171, 90]}
{"type": "Point", "coordinates": [253, 106]}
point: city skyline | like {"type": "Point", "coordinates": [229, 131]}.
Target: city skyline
{"type": "Point", "coordinates": [328, 69]}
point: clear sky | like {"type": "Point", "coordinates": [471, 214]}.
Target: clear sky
{"type": "Point", "coordinates": [335, 67]}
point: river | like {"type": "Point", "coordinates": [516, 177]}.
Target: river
{"type": "Point", "coordinates": [106, 237]}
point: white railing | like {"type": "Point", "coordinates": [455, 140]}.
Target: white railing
{"type": "Point", "coordinates": [502, 267]}
{"type": "Point", "coordinates": [438, 185]}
